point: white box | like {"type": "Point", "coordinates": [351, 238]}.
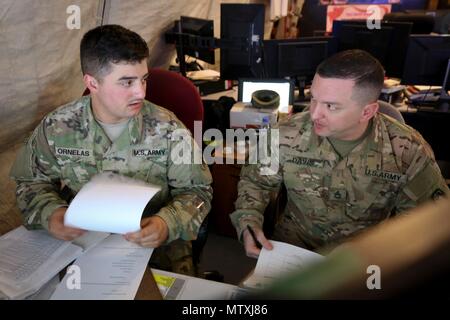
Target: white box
{"type": "Point", "coordinates": [243, 115]}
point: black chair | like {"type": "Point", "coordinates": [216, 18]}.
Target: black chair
{"type": "Point", "coordinates": [390, 110]}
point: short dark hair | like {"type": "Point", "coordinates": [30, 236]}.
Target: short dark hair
{"type": "Point", "coordinates": [110, 44]}
{"type": "Point", "coordinates": [357, 65]}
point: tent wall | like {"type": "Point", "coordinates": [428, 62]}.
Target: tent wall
{"type": "Point", "coordinates": [39, 64]}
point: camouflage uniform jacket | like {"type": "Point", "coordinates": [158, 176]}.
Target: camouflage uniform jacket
{"type": "Point", "coordinates": [391, 170]}
{"type": "Point", "coordinates": [69, 146]}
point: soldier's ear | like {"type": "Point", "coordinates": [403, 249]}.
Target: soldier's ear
{"type": "Point", "coordinates": [369, 111]}
{"type": "Point", "coordinates": [90, 82]}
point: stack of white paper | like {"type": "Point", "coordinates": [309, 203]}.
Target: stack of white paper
{"type": "Point", "coordinates": [111, 270]}
{"type": "Point", "coordinates": [29, 259]}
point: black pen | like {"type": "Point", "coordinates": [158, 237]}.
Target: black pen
{"type": "Point", "coordinates": [258, 244]}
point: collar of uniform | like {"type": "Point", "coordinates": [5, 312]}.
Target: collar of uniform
{"type": "Point", "coordinates": [134, 126]}
{"type": "Point", "coordinates": [367, 153]}
{"type": "Point", "coordinates": [374, 149]}
{"type": "Point", "coordinates": [385, 149]}
{"type": "Point", "coordinates": [88, 117]}
{"type": "Point", "coordinates": [96, 135]}
{"type": "Point", "coordinates": [323, 148]}
{"type": "Point", "coordinates": [306, 137]}
{"type": "Point", "coordinates": [310, 143]}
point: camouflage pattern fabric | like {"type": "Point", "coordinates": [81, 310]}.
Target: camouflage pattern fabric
{"type": "Point", "coordinates": [175, 257]}
{"type": "Point", "coordinates": [329, 199]}
{"type": "Point", "coordinates": [69, 147]}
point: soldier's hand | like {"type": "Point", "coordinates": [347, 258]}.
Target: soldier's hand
{"type": "Point", "coordinates": [57, 228]}
{"type": "Point", "coordinates": [153, 233]}
{"type": "Point", "coordinates": [251, 247]}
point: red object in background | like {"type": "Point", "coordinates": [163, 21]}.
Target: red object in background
{"type": "Point", "coordinates": [172, 91]}
{"type": "Point", "coordinates": [355, 12]}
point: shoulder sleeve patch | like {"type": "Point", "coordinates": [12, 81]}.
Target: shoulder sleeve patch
{"type": "Point", "coordinates": [426, 184]}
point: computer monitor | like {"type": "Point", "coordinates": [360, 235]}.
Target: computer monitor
{"type": "Point", "coordinates": [198, 47]}
{"type": "Point", "coordinates": [426, 60]}
{"type": "Point", "coordinates": [193, 37]}
{"type": "Point", "coordinates": [241, 36]}
{"type": "Point", "coordinates": [444, 99]}
{"type": "Point", "coordinates": [427, 63]}
{"type": "Point", "coordinates": [423, 23]}
{"type": "Point", "coordinates": [296, 58]}
{"type": "Point", "coordinates": [284, 87]}
{"type": "Point", "coordinates": [388, 43]}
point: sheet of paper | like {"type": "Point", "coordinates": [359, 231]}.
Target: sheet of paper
{"type": "Point", "coordinates": [282, 259]}
{"type": "Point", "coordinates": [110, 203]}
{"type": "Point", "coordinates": [89, 239]}
{"type": "Point", "coordinates": [29, 259]}
{"type": "Point", "coordinates": [203, 75]}
{"type": "Point", "coordinates": [112, 270]}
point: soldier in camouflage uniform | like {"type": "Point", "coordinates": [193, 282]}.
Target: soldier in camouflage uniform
{"type": "Point", "coordinates": [114, 129]}
{"type": "Point", "coordinates": [345, 166]}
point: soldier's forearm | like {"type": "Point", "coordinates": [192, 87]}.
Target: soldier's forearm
{"type": "Point", "coordinates": [186, 212]}
{"type": "Point", "coordinates": [243, 218]}
{"type": "Point", "coordinates": [37, 201]}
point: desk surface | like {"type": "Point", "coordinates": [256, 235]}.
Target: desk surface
{"type": "Point", "coordinates": [148, 289]}
{"type": "Point", "coordinates": [232, 93]}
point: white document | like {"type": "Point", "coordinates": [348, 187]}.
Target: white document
{"type": "Point", "coordinates": [112, 270]}
{"type": "Point", "coordinates": [90, 239]}
{"type": "Point", "coordinates": [29, 259]}
{"type": "Point", "coordinates": [281, 260]}
{"type": "Point", "coordinates": [203, 75]}
{"type": "Point", "coordinates": [110, 203]}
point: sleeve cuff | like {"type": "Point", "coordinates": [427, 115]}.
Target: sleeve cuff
{"type": "Point", "coordinates": [48, 211]}
{"type": "Point", "coordinates": [242, 218]}
{"type": "Point", "coordinates": [171, 225]}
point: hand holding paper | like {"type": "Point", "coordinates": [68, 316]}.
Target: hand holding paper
{"type": "Point", "coordinates": [110, 203]}
{"type": "Point", "coordinates": [282, 259]}
{"type": "Point", "coordinates": [254, 241]}
{"type": "Point", "coordinates": [59, 230]}
{"type": "Point", "coordinates": [154, 232]}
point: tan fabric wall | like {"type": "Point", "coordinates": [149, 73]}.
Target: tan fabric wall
{"type": "Point", "coordinates": [151, 18]}
{"type": "Point", "coordinates": [10, 217]}
{"type": "Point", "coordinates": [39, 66]}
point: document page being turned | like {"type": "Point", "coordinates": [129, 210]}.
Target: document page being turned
{"type": "Point", "coordinates": [110, 203]}
{"type": "Point", "coordinates": [275, 263]}
{"type": "Point", "coordinates": [112, 270]}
